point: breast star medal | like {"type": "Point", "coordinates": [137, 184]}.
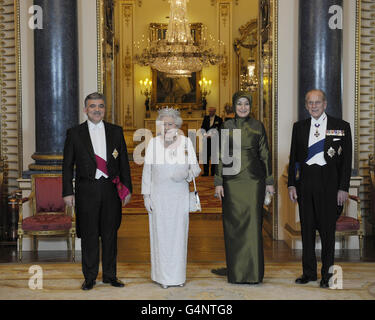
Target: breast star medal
{"type": "Point", "coordinates": [331, 152]}
{"type": "Point", "coordinates": [339, 151]}
{"type": "Point", "coordinates": [115, 154]}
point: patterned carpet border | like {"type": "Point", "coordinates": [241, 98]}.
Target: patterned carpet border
{"type": "Point", "coordinates": [62, 281]}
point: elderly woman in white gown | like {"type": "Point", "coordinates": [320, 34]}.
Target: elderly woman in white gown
{"type": "Point", "coordinates": [170, 164]}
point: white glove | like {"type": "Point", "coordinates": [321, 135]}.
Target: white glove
{"type": "Point", "coordinates": [147, 201]}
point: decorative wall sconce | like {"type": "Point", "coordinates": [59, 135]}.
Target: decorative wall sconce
{"type": "Point", "coordinates": [146, 87]}
{"type": "Point", "coordinates": [205, 90]}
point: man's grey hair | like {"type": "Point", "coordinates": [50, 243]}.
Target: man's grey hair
{"type": "Point", "coordinates": [95, 96]}
{"type": "Point", "coordinates": [170, 112]}
{"type": "Point", "coordinates": [324, 96]}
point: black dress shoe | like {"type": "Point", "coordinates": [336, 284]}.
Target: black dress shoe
{"type": "Point", "coordinates": [305, 279]}
{"type": "Point", "coordinates": [220, 271]}
{"type": "Point", "coordinates": [324, 283]}
{"type": "Point", "coordinates": [205, 175]}
{"type": "Point", "coordinates": [114, 282]}
{"type": "Point", "coordinates": [88, 284]}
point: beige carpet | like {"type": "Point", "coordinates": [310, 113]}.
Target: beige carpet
{"type": "Point", "coordinates": [62, 281]}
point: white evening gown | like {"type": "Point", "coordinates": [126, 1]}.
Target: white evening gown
{"type": "Point", "coordinates": [166, 176]}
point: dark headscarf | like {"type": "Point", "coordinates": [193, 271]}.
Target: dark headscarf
{"type": "Point", "coordinates": [238, 95]}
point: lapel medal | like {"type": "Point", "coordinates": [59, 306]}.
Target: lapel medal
{"type": "Point", "coordinates": [317, 134]}
{"type": "Point", "coordinates": [331, 152]}
{"type": "Point", "coordinates": [339, 151]}
{"type": "Point", "coordinates": [115, 154]}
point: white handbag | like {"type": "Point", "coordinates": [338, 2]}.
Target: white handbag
{"type": "Point", "coordinates": [194, 201]}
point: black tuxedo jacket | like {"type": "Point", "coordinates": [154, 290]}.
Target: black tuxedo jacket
{"type": "Point", "coordinates": [206, 123]}
{"type": "Point", "coordinates": [337, 153]}
{"type": "Point", "coordinates": [79, 152]}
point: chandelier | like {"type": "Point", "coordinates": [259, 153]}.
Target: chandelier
{"type": "Point", "coordinates": [178, 55]}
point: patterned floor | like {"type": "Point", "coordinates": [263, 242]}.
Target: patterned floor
{"type": "Point", "coordinates": [62, 281]}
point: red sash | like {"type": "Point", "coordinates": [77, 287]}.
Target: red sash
{"type": "Point", "coordinates": [122, 190]}
{"type": "Point", "coordinates": [101, 164]}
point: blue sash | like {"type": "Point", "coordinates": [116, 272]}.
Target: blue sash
{"type": "Point", "coordinates": [315, 149]}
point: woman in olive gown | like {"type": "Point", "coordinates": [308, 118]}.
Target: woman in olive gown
{"type": "Point", "coordinates": [242, 190]}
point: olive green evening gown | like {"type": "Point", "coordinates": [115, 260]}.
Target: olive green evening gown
{"type": "Point", "coordinates": [243, 200]}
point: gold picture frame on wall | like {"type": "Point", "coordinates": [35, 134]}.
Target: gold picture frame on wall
{"type": "Point", "coordinates": [184, 91]}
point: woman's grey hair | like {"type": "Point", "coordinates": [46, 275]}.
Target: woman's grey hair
{"type": "Point", "coordinates": [170, 112]}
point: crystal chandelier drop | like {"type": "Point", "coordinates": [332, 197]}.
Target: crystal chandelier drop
{"type": "Point", "coordinates": [178, 55]}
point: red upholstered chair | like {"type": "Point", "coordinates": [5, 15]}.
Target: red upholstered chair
{"type": "Point", "coordinates": [50, 216]}
{"type": "Point", "coordinates": [350, 226]}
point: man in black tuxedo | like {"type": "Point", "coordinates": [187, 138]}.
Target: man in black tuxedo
{"type": "Point", "coordinates": [211, 121]}
{"type": "Point", "coordinates": [102, 182]}
{"type": "Point", "coordinates": [319, 177]}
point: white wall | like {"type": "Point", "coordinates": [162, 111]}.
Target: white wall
{"type": "Point", "coordinates": [28, 95]}
{"type": "Point", "coordinates": [287, 98]}
{"type": "Point", "coordinates": [87, 43]}
{"type": "Point", "coordinates": [349, 47]}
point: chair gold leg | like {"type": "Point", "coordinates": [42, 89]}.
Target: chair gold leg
{"type": "Point", "coordinates": [20, 238]}
{"type": "Point", "coordinates": [360, 246]}
{"type": "Point", "coordinates": [73, 247]}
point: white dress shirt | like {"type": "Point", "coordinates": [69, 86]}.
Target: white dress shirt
{"type": "Point", "coordinates": [319, 126]}
{"type": "Point", "coordinates": [97, 135]}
